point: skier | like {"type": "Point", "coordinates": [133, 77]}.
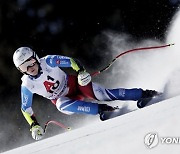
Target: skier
{"type": "Point", "coordinates": [67, 92]}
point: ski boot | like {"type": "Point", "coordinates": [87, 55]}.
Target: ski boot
{"type": "Point", "coordinates": [147, 95]}
{"type": "Point", "coordinates": [105, 111]}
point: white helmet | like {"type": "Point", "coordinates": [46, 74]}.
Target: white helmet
{"type": "Point", "coordinates": [22, 54]}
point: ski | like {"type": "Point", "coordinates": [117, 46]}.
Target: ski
{"type": "Point", "coordinates": [110, 114]}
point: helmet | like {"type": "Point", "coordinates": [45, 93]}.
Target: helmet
{"type": "Point", "coordinates": [22, 54]}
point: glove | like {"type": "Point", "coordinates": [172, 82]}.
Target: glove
{"type": "Point", "coordinates": [37, 132]}
{"type": "Point", "coordinates": [84, 78]}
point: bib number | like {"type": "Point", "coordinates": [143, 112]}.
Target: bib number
{"type": "Point", "coordinates": [51, 85]}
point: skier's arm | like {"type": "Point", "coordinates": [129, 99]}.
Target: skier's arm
{"type": "Point", "coordinates": [84, 77]}
{"type": "Point", "coordinates": [26, 97]}
{"type": "Point", "coordinates": [63, 61]}
{"type": "Point", "coordinates": [26, 105]}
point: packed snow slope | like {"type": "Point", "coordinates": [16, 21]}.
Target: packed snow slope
{"type": "Point", "coordinates": [124, 134]}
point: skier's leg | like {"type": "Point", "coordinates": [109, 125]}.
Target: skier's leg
{"type": "Point", "coordinates": [69, 106]}
{"type": "Point", "coordinates": [104, 94]}
{"type": "Point", "coordinates": [141, 96]}
{"type": "Point", "coordinates": [124, 94]}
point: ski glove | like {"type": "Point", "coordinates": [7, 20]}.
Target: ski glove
{"type": "Point", "coordinates": [37, 132]}
{"type": "Point", "coordinates": [84, 78]}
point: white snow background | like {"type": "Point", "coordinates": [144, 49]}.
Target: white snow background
{"type": "Point", "coordinates": [157, 69]}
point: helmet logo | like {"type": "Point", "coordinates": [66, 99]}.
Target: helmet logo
{"type": "Point", "coordinates": [21, 57]}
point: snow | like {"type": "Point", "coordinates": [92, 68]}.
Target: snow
{"type": "Point", "coordinates": [124, 134]}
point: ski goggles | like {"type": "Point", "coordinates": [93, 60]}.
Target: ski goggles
{"type": "Point", "coordinates": [29, 63]}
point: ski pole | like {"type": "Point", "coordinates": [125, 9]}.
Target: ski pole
{"type": "Point", "coordinates": [126, 52]}
{"type": "Point", "coordinates": [56, 123]}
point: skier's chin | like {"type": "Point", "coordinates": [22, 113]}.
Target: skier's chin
{"type": "Point", "coordinates": [33, 73]}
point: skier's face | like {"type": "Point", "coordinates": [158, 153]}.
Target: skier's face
{"type": "Point", "coordinates": [30, 67]}
{"type": "Point", "coordinates": [33, 70]}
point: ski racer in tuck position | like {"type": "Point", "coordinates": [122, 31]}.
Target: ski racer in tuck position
{"type": "Point", "coordinates": [44, 76]}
